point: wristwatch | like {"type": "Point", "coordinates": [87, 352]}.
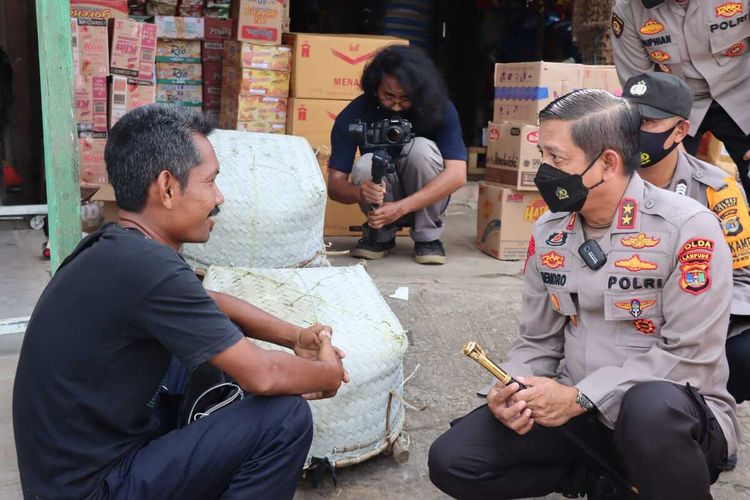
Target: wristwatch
{"type": "Point", "coordinates": [584, 402]}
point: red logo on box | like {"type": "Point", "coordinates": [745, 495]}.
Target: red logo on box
{"type": "Point", "coordinates": [302, 113]}
{"type": "Point", "coordinates": [259, 33]}
{"type": "Point", "coordinates": [494, 134]}
{"type": "Point", "coordinates": [305, 49]}
{"type": "Point", "coordinates": [533, 137]}
{"type": "Point", "coordinates": [352, 60]}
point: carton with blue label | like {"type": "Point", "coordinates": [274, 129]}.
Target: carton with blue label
{"type": "Point", "coordinates": [524, 89]}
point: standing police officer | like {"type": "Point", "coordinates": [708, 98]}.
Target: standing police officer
{"type": "Point", "coordinates": [706, 43]}
{"type": "Point", "coordinates": [625, 310]}
{"type": "Point", "coordinates": [664, 101]}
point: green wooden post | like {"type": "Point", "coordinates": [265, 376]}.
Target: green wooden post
{"type": "Point", "coordinates": [59, 128]}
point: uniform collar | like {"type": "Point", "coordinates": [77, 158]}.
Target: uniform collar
{"type": "Point", "coordinates": [682, 175]}
{"type": "Point", "coordinates": [627, 218]}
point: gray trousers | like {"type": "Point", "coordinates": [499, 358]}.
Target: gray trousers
{"type": "Point", "coordinates": [421, 162]}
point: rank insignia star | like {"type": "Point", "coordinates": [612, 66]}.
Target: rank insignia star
{"type": "Point", "coordinates": [627, 213]}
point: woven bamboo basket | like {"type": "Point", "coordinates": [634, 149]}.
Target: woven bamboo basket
{"type": "Point", "coordinates": [274, 204]}
{"type": "Point", "coordinates": [367, 415]}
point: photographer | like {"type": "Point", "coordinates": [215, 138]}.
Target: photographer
{"type": "Point", "coordinates": [400, 82]}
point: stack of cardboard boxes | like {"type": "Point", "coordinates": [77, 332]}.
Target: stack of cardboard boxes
{"type": "Point", "coordinates": [326, 72]}
{"type": "Point", "coordinates": [113, 65]}
{"type": "Point", "coordinates": [255, 75]}
{"type": "Point", "coordinates": [179, 73]}
{"type": "Point", "coordinates": [509, 203]}
{"type": "Point", "coordinates": [216, 32]}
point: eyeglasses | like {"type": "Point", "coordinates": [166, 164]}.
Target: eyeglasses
{"type": "Point", "coordinates": [392, 99]}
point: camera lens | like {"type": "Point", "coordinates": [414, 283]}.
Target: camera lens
{"type": "Point", "coordinates": [393, 135]}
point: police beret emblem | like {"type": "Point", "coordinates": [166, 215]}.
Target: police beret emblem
{"type": "Point", "coordinates": [639, 88]}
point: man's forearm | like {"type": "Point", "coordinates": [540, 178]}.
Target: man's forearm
{"type": "Point", "coordinates": [255, 322]}
{"type": "Point", "coordinates": [343, 191]}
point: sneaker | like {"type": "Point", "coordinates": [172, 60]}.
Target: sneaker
{"type": "Point", "coordinates": [371, 250]}
{"type": "Point", "coordinates": [429, 252]}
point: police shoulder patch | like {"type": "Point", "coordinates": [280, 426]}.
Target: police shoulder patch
{"type": "Point", "coordinates": [529, 252]}
{"type": "Point", "coordinates": [694, 258]}
{"type": "Point", "coordinates": [617, 25]}
{"type": "Point", "coordinates": [557, 239]}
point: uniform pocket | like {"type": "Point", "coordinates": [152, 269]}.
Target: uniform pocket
{"type": "Point", "coordinates": [727, 46]}
{"type": "Point", "coordinates": [563, 303]}
{"type": "Point", "coordinates": [635, 318]}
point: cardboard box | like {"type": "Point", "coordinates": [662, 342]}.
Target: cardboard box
{"type": "Point", "coordinates": [257, 21]}
{"type": "Point", "coordinates": [313, 119]}
{"type": "Point", "coordinates": [246, 81]}
{"type": "Point", "coordinates": [126, 94]}
{"type": "Point", "coordinates": [218, 9]}
{"type": "Point", "coordinates": [248, 55]}
{"type": "Point", "coordinates": [99, 9]}
{"type": "Point", "coordinates": [712, 150]}
{"type": "Point", "coordinates": [181, 95]}
{"type": "Point", "coordinates": [180, 28]}
{"type": "Point", "coordinates": [213, 51]}
{"type": "Point", "coordinates": [211, 98]}
{"type": "Point", "coordinates": [330, 66]}
{"type": "Point", "coordinates": [182, 51]}
{"type": "Point", "coordinates": [343, 220]}
{"type": "Point", "coordinates": [161, 7]}
{"type": "Point", "coordinates": [91, 103]}
{"type": "Point", "coordinates": [216, 29]}
{"type": "Point", "coordinates": [212, 115]}
{"type": "Point", "coordinates": [179, 73]}
{"type": "Point", "coordinates": [90, 47]}
{"type": "Point", "coordinates": [601, 77]}
{"type": "Point", "coordinates": [522, 90]}
{"type": "Point", "coordinates": [191, 8]}
{"type": "Point", "coordinates": [253, 108]}
{"type": "Point", "coordinates": [212, 74]}
{"type": "Point", "coordinates": [265, 127]}
{"type": "Point", "coordinates": [512, 155]}
{"type": "Point", "coordinates": [91, 166]}
{"type": "Point", "coordinates": [105, 196]}
{"type": "Point", "coordinates": [505, 218]}
{"type": "Point", "coordinates": [133, 49]}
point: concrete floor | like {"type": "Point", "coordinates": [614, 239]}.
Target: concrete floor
{"type": "Point", "coordinates": [472, 297]}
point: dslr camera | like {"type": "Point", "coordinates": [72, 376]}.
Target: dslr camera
{"type": "Point", "coordinates": [386, 138]}
{"type": "Point", "coordinates": [385, 133]}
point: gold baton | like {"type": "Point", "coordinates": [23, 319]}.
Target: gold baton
{"type": "Point", "coordinates": [476, 352]}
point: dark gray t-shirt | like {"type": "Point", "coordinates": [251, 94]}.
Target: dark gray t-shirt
{"type": "Point", "coordinates": [96, 349]}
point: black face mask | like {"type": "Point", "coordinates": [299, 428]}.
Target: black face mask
{"type": "Point", "coordinates": [652, 147]}
{"type": "Point", "coordinates": [563, 192]}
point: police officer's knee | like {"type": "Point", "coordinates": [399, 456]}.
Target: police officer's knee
{"type": "Point", "coordinates": [448, 467]}
{"type": "Point", "coordinates": [645, 416]}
